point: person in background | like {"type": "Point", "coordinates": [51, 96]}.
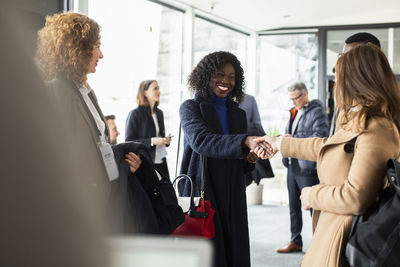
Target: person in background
{"type": "Point", "coordinates": [350, 42]}
{"type": "Point", "coordinates": [112, 127]}
{"type": "Point", "coordinates": [307, 119]}
{"type": "Point", "coordinates": [360, 38]}
{"type": "Point", "coordinates": [68, 50]}
{"type": "Point", "coordinates": [249, 105]}
{"type": "Point", "coordinates": [145, 124]}
{"type": "Point", "coordinates": [352, 163]}
{"type": "Point", "coordinates": [262, 168]}
{"type": "Point", "coordinates": [216, 128]}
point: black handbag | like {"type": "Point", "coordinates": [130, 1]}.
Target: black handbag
{"type": "Point", "coordinates": [375, 241]}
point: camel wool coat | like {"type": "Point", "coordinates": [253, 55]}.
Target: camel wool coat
{"type": "Point", "coordinates": [351, 167]}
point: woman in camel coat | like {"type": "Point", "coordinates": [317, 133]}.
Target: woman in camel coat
{"type": "Point", "coordinates": [351, 164]}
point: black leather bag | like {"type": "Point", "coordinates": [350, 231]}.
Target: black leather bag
{"type": "Point", "coordinates": [375, 241]}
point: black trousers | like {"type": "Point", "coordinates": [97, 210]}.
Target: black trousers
{"type": "Point", "coordinates": [162, 168]}
{"type": "Point", "coordinates": [296, 181]}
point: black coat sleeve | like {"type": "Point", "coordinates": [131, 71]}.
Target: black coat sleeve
{"type": "Point", "coordinates": [203, 140]}
{"type": "Point", "coordinates": [132, 129]}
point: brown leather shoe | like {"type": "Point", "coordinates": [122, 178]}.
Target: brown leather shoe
{"type": "Point", "coordinates": [291, 247]}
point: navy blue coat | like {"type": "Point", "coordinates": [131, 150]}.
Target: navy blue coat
{"type": "Point", "coordinates": [313, 123]}
{"type": "Point", "coordinates": [225, 184]}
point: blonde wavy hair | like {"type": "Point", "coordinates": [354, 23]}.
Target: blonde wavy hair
{"type": "Point", "coordinates": [65, 46]}
{"type": "Point", "coordinates": [141, 99]}
{"type": "Point", "coordinates": [366, 86]}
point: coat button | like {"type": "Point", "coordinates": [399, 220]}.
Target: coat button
{"type": "Point", "coordinates": [349, 148]}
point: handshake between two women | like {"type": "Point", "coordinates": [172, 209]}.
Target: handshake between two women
{"type": "Point", "coordinates": [264, 147]}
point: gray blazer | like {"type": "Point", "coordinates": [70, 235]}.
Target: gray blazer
{"type": "Point", "coordinates": [249, 105]}
{"type": "Point", "coordinates": [93, 174]}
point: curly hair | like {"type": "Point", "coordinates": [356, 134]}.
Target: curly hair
{"type": "Point", "coordinates": [65, 46]}
{"type": "Point", "coordinates": [365, 79]}
{"type": "Point", "coordinates": [199, 79]}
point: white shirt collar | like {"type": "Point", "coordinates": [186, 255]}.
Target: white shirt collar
{"type": "Point", "coordinates": [84, 90]}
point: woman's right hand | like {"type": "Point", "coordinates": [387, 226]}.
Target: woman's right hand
{"type": "Point", "coordinates": [266, 146]}
{"type": "Point", "coordinates": [250, 142]}
{"type": "Point", "coordinates": [134, 161]}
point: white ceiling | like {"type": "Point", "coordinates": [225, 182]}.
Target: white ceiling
{"type": "Point", "coordinates": [259, 15]}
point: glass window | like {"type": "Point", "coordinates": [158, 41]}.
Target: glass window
{"type": "Point", "coordinates": [335, 43]}
{"type": "Point", "coordinates": [396, 51]}
{"type": "Point", "coordinates": [141, 40]}
{"type": "Point", "coordinates": [210, 37]}
{"type": "Point", "coordinates": [284, 60]}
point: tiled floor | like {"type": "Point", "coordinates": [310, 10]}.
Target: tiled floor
{"type": "Point", "coordinates": [269, 228]}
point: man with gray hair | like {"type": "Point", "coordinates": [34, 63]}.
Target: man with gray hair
{"type": "Point", "coordinates": [307, 119]}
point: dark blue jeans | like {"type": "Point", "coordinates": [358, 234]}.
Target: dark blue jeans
{"type": "Point", "coordinates": [296, 181]}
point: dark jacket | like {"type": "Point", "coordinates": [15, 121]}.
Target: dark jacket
{"type": "Point", "coordinates": [84, 133]}
{"type": "Point", "coordinates": [140, 202]}
{"type": "Point", "coordinates": [140, 126]}
{"type": "Point", "coordinates": [130, 206]}
{"type": "Point", "coordinates": [225, 184]}
{"type": "Point", "coordinates": [262, 168]}
{"type": "Point", "coordinates": [313, 123]}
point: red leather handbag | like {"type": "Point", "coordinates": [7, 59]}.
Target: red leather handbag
{"type": "Point", "coordinates": [199, 215]}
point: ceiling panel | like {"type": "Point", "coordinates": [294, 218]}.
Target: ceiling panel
{"type": "Point", "coordinates": [259, 15]}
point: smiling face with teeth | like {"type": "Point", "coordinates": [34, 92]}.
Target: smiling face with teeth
{"type": "Point", "coordinates": [223, 81]}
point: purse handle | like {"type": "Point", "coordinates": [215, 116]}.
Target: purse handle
{"type": "Point", "coordinates": [192, 212]}
{"type": "Point", "coordinates": [176, 182]}
{"type": "Point", "coordinates": [187, 177]}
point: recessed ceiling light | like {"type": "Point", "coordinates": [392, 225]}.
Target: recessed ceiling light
{"type": "Point", "coordinates": [286, 16]}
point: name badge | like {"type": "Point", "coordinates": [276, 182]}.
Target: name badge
{"type": "Point", "coordinates": [109, 161]}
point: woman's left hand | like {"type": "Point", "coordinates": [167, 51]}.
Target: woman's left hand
{"type": "Point", "coordinates": [304, 197]}
{"type": "Point", "coordinates": [252, 157]}
{"type": "Point", "coordinates": [134, 161]}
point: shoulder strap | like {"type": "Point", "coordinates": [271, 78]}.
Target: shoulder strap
{"type": "Point", "coordinates": [203, 169]}
{"type": "Point", "coordinates": [177, 152]}
{"type": "Point", "coordinates": [203, 175]}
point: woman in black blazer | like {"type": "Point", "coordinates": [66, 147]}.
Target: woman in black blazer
{"type": "Point", "coordinates": [145, 124]}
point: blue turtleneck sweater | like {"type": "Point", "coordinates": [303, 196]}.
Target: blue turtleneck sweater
{"type": "Point", "coordinates": [222, 111]}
